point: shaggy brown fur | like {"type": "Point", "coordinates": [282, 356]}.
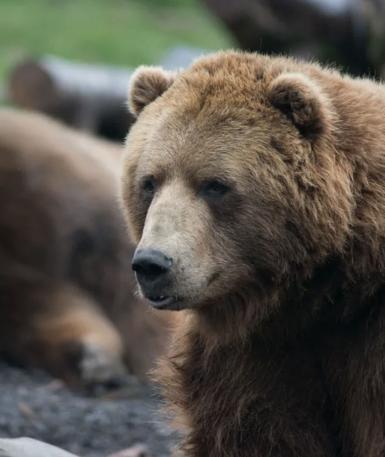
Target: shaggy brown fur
{"type": "Point", "coordinates": [66, 294]}
{"type": "Point", "coordinates": [282, 350]}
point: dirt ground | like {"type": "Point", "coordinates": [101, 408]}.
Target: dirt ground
{"type": "Point", "coordinates": [35, 405]}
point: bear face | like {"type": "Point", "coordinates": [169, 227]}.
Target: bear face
{"type": "Point", "coordinates": [232, 185]}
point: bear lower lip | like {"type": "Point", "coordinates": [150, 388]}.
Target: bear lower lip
{"type": "Point", "coordinates": [163, 302]}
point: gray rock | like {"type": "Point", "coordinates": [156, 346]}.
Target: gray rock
{"type": "Point", "coordinates": [27, 447]}
{"type": "Point", "coordinates": [33, 404]}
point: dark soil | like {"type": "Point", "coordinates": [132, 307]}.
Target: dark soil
{"type": "Point", "coordinates": [33, 404]}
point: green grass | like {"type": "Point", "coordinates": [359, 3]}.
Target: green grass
{"type": "Point", "coordinates": [121, 32]}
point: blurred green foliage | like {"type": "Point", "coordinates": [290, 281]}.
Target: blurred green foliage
{"type": "Point", "coordinates": [121, 32]}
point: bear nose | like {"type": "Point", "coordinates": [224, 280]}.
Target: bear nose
{"type": "Point", "coordinates": [150, 264]}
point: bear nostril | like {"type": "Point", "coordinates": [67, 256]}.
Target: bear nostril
{"type": "Point", "coordinates": [148, 269]}
{"type": "Point", "coordinates": [150, 263]}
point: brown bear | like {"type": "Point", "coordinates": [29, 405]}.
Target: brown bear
{"type": "Point", "coordinates": [255, 188]}
{"type": "Point", "coordinates": [67, 299]}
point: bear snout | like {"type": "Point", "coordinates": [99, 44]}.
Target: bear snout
{"type": "Point", "coordinates": [152, 268]}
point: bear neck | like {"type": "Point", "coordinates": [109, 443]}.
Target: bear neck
{"type": "Point", "coordinates": [207, 383]}
{"type": "Point", "coordinates": [206, 374]}
{"type": "Point", "coordinates": [329, 297]}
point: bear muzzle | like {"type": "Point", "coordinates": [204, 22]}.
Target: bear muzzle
{"type": "Point", "coordinates": [153, 273]}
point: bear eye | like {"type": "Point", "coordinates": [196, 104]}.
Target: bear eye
{"type": "Point", "coordinates": [149, 186]}
{"type": "Point", "coordinates": [214, 189]}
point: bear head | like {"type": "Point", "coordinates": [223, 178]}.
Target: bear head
{"type": "Point", "coordinates": [232, 186]}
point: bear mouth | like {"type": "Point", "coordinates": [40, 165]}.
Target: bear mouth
{"type": "Point", "coordinates": [164, 302]}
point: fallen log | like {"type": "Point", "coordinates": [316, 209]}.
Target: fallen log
{"type": "Point", "coordinates": [89, 97]}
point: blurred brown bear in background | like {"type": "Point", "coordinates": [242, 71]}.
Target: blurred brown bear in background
{"type": "Point", "coordinates": [67, 300]}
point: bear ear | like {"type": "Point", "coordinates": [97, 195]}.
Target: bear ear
{"type": "Point", "coordinates": [147, 84]}
{"type": "Point", "coordinates": [299, 98]}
